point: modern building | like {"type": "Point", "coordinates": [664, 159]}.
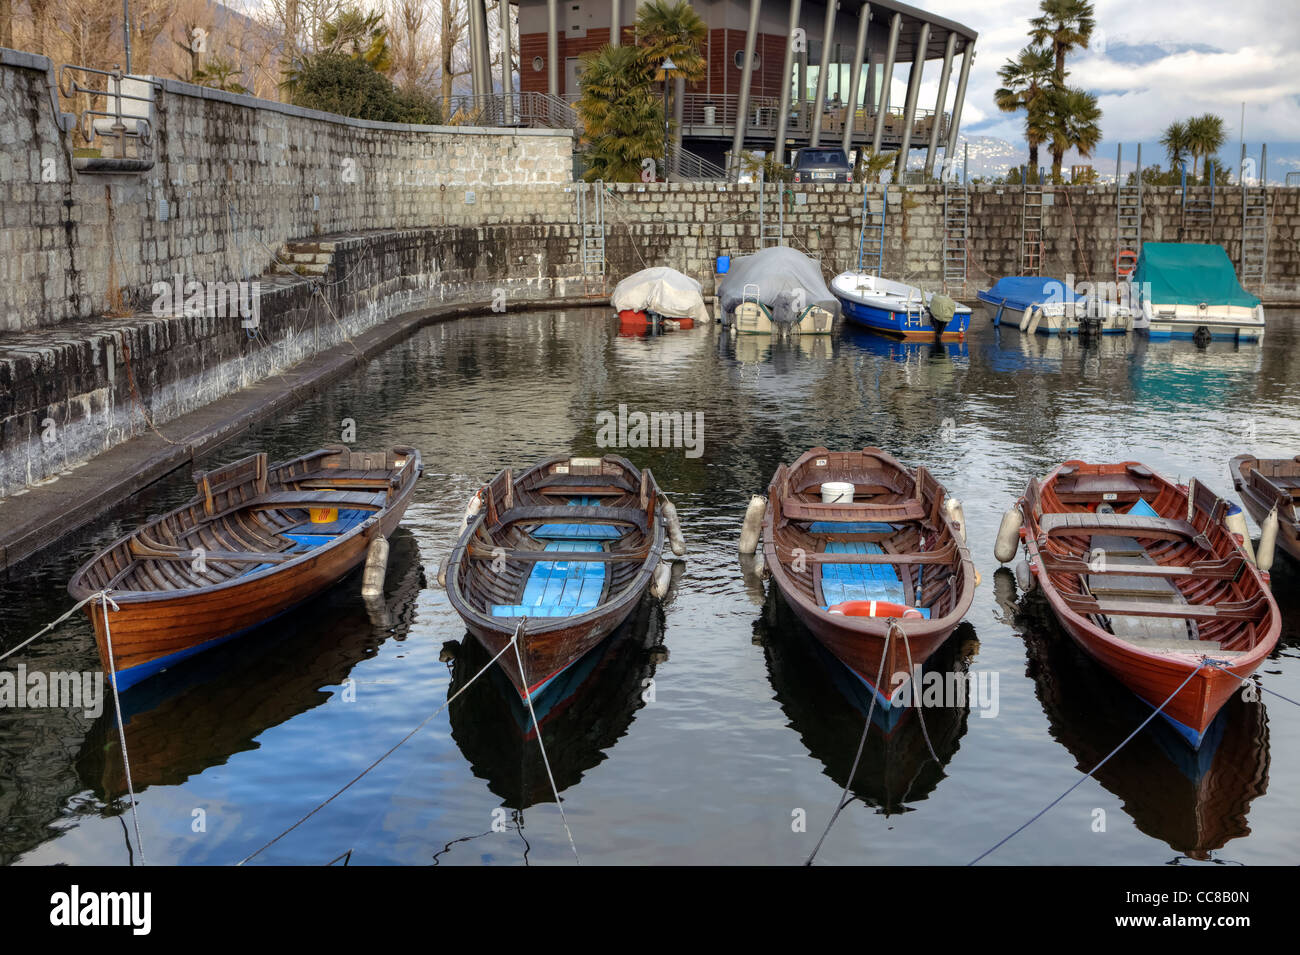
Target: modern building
{"type": "Point", "coordinates": [820, 74]}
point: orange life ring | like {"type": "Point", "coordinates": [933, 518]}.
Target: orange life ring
{"type": "Point", "coordinates": [1125, 254]}
{"type": "Point", "coordinates": [874, 608]}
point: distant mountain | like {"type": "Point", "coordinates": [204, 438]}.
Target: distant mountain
{"type": "Point", "coordinates": [1140, 54]}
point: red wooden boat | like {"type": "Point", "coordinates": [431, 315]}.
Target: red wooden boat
{"type": "Point", "coordinates": [256, 542]}
{"type": "Point", "coordinates": [568, 548]}
{"type": "Point", "coordinates": [1266, 483]}
{"type": "Point", "coordinates": [894, 544]}
{"type": "Point", "coordinates": [1147, 579]}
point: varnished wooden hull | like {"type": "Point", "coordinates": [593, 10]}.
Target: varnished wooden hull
{"type": "Point", "coordinates": [548, 645]}
{"type": "Point", "coordinates": [1259, 497]}
{"type": "Point", "coordinates": [1155, 676]}
{"type": "Point", "coordinates": [860, 642]}
{"type": "Point", "coordinates": [151, 630]}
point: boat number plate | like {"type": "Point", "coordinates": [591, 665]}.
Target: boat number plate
{"type": "Point", "coordinates": [820, 462]}
{"type": "Point", "coordinates": [561, 469]}
{"type": "Point", "coordinates": [1109, 496]}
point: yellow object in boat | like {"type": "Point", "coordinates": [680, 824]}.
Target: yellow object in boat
{"type": "Point", "coordinates": [324, 515]}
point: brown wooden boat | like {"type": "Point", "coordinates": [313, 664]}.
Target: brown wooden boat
{"type": "Point", "coordinates": [255, 542]}
{"type": "Point", "coordinates": [1266, 483]}
{"type": "Point", "coordinates": [567, 549]}
{"type": "Point", "coordinates": [894, 547]}
{"type": "Point", "coordinates": [1147, 579]}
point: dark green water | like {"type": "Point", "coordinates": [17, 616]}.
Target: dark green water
{"type": "Point", "coordinates": [710, 725]}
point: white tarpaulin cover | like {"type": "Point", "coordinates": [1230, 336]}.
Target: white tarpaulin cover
{"type": "Point", "coordinates": [662, 290]}
{"type": "Point", "coordinates": [787, 280]}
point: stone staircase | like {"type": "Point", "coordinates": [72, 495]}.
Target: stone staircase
{"type": "Point", "coordinates": [303, 257]}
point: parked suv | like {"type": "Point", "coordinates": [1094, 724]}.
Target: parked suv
{"type": "Point", "coordinates": [822, 165]}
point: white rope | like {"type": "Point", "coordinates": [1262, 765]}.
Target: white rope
{"type": "Point", "coordinates": [357, 778]}
{"type": "Point", "coordinates": [46, 629]}
{"type": "Point", "coordinates": [542, 746]}
{"type": "Point", "coordinates": [105, 600]}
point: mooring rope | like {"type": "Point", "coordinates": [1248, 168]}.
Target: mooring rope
{"type": "Point", "coordinates": [920, 710]}
{"type": "Point", "coordinates": [542, 746]}
{"type": "Point", "coordinates": [1088, 775]}
{"type": "Point", "coordinates": [50, 626]}
{"type": "Point", "coordinates": [357, 778]}
{"type": "Point", "coordinates": [105, 600]}
{"type": "Point", "coordinates": [1245, 680]}
{"type": "Point", "coordinates": [862, 742]}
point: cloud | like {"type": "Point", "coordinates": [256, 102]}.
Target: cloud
{"type": "Point", "coordinates": [1150, 64]}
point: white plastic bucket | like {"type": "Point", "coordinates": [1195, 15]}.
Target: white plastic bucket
{"type": "Point", "coordinates": [837, 492]}
{"type": "Point", "coordinates": [710, 115]}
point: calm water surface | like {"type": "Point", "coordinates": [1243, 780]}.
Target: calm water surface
{"type": "Point", "coordinates": [708, 726]}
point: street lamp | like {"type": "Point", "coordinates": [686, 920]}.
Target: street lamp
{"type": "Point", "coordinates": [667, 68]}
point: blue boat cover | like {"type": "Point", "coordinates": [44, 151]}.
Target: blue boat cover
{"type": "Point", "coordinates": [1186, 273]}
{"type": "Point", "coordinates": [1021, 291]}
{"type": "Point", "coordinates": [560, 588]}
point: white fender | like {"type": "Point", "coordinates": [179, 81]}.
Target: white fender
{"type": "Point", "coordinates": [1236, 523]}
{"type": "Point", "coordinates": [1267, 542]}
{"type": "Point", "coordinates": [1025, 577]}
{"type": "Point", "coordinates": [661, 581]}
{"type": "Point", "coordinates": [753, 526]}
{"type": "Point", "coordinates": [669, 513]}
{"type": "Point", "coordinates": [1036, 320]}
{"type": "Point", "coordinates": [1008, 539]}
{"type": "Point", "coordinates": [372, 579]}
{"type": "Point", "coordinates": [1025, 318]}
{"type": "Point", "coordinates": [952, 507]}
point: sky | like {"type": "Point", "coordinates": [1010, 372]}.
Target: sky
{"type": "Point", "coordinates": [1152, 62]}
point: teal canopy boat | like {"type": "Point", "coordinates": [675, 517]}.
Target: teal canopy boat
{"type": "Point", "coordinates": [1191, 291]}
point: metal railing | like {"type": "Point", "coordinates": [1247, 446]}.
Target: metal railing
{"type": "Point", "coordinates": [684, 164]}
{"type": "Point", "coordinates": [125, 132]}
{"type": "Point", "coordinates": [704, 114]}
{"type": "Point", "coordinates": [527, 109]}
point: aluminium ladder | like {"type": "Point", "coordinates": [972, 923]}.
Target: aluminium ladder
{"type": "Point", "coordinates": [956, 235]}
{"type": "Point", "coordinates": [871, 235]}
{"type": "Point", "coordinates": [1198, 211]}
{"type": "Point", "coordinates": [591, 229]}
{"type": "Point", "coordinates": [1031, 224]}
{"type": "Point", "coordinates": [1254, 225]}
{"type": "Point", "coordinates": [1128, 216]}
{"type": "Point", "coordinates": [769, 232]}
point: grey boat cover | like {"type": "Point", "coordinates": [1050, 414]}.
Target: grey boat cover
{"type": "Point", "coordinates": [788, 282]}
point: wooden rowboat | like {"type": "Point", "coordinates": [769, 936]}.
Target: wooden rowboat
{"type": "Point", "coordinates": [254, 543]}
{"type": "Point", "coordinates": [1266, 483]}
{"type": "Point", "coordinates": [894, 544]}
{"type": "Point", "coordinates": [1148, 580]}
{"type": "Point", "coordinates": [567, 549]}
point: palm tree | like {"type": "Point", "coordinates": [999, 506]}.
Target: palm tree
{"type": "Point", "coordinates": [1025, 82]}
{"type": "Point", "coordinates": [621, 115]}
{"type": "Point", "coordinates": [220, 73]}
{"type": "Point", "coordinates": [1176, 143]}
{"type": "Point", "coordinates": [360, 35]}
{"type": "Point", "coordinates": [1074, 122]}
{"type": "Point", "coordinates": [1064, 25]}
{"type": "Point", "coordinates": [1205, 134]}
{"type": "Point", "coordinates": [673, 30]}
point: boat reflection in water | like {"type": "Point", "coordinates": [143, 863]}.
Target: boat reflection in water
{"type": "Point", "coordinates": [1195, 801]}
{"type": "Point", "coordinates": [826, 706]}
{"type": "Point", "coordinates": [204, 710]}
{"type": "Point", "coordinates": [583, 713]}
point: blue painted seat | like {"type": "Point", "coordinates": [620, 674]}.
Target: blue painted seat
{"type": "Point", "coordinates": [560, 588]}
{"type": "Point", "coordinates": [579, 531]}
{"type": "Point", "coordinates": [849, 527]}
{"type": "Point", "coordinates": [844, 582]}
